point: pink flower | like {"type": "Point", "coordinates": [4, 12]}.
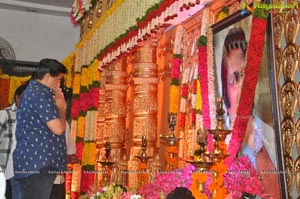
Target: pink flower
{"type": "Point", "coordinates": [175, 68]}
{"type": "Point", "coordinates": [240, 173]}
{"type": "Point", "coordinates": [166, 182]}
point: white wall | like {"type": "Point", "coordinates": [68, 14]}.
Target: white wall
{"type": "Point", "coordinates": [35, 36]}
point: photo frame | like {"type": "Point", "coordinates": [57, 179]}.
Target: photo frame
{"type": "Point", "coordinates": [265, 107]}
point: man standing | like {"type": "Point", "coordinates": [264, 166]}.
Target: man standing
{"type": "Point", "coordinates": [8, 144]}
{"type": "Point", "coordinates": [41, 121]}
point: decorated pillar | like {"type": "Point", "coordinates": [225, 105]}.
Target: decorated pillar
{"type": "Point", "coordinates": [144, 106]}
{"type": "Point", "coordinates": [115, 111]}
{"type": "Point", "coordinates": [99, 138]}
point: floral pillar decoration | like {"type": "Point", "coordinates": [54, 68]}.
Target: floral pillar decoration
{"type": "Point", "coordinates": [83, 121]}
{"type": "Point", "coordinates": [69, 80]}
{"type": "Point", "coordinates": [84, 117]}
{"type": "Point", "coordinates": [69, 63]}
{"type": "Point", "coordinates": [89, 149]}
{"type": "Point", "coordinates": [77, 125]}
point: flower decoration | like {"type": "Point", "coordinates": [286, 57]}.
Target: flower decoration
{"type": "Point", "coordinates": [194, 100]}
{"type": "Point", "coordinates": [112, 191]}
{"type": "Point", "coordinates": [241, 171]}
{"type": "Point", "coordinates": [174, 90]}
{"type": "Point", "coordinates": [198, 178]}
{"type": "Point", "coordinates": [223, 13]}
{"type": "Point", "coordinates": [143, 175]}
{"type": "Point", "coordinates": [216, 186]}
{"type": "Point", "coordinates": [253, 59]}
{"type": "Point", "coordinates": [171, 157]}
{"type": "Point", "coordinates": [166, 182]}
{"type": "Point", "coordinates": [184, 94]}
{"type": "Point", "coordinates": [69, 63]}
{"type": "Point", "coordinates": [203, 74]}
{"type": "Point", "coordinates": [80, 8]}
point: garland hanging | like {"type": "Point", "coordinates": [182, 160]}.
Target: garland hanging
{"type": "Point", "coordinates": [174, 90]}
{"type": "Point", "coordinates": [198, 178]}
{"type": "Point", "coordinates": [172, 158]}
{"type": "Point", "coordinates": [183, 99]}
{"type": "Point", "coordinates": [253, 59]}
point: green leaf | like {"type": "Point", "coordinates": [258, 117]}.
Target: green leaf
{"type": "Point", "coordinates": [202, 41]}
{"type": "Point", "coordinates": [261, 13]}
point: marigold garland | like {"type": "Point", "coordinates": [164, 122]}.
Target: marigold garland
{"type": "Point", "coordinates": [89, 153]}
{"type": "Point", "coordinates": [76, 178]}
{"type": "Point", "coordinates": [8, 86]}
{"type": "Point", "coordinates": [88, 166]}
{"type": "Point", "coordinates": [198, 178]}
{"type": "Point", "coordinates": [174, 99]}
{"type": "Point", "coordinates": [172, 161]}
{"type": "Point", "coordinates": [216, 186]}
{"type": "Point", "coordinates": [69, 63]}
{"type": "Point", "coordinates": [174, 90]}
{"type": "Point", "coordinates": [94, 74]}
{"type": "Point", "coordinates": [199, 98]}
{"type": "Point", "coordinates": [80, 127]}
{"type": "Point", "coordinates": [84, 78]}
{"type": "Point", "coordinates": [76, 83]}
{"type": "Point", "coordinates": [143, 175]}
{"type": "Point", "coordinates": [68, 180]}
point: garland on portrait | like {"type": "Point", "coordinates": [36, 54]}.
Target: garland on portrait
{"type": "Point", "coordinates": [253, 59]}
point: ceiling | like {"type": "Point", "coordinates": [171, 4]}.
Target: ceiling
{"type": "Point", "coordinates": [52, 7]}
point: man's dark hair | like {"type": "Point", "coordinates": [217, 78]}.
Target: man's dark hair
{"type": "Point", "coordinates": [20, 90]}
{"type": "Point", "coordinates": [180, 193]}
{"type": "Point", "coordinates": [51, 66]}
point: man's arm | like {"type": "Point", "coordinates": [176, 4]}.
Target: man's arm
{"type": "Point", "coordinates": [58, 125]}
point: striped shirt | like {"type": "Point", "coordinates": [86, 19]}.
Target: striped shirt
{"type": "Point", "coordinates": [7, 128]}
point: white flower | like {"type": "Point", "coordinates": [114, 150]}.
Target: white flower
{"type": "Point", "coordinates": [135, 197]}
{"type": "Point", "coordinates": [86, 4]}
{"type": "Point", "coordinates": [104, 189]}
{"type": "Point", "coordinates": [98, 193]}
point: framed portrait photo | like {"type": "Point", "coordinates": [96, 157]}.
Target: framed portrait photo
{"type": "Point", "coordinates": [261, 143]}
